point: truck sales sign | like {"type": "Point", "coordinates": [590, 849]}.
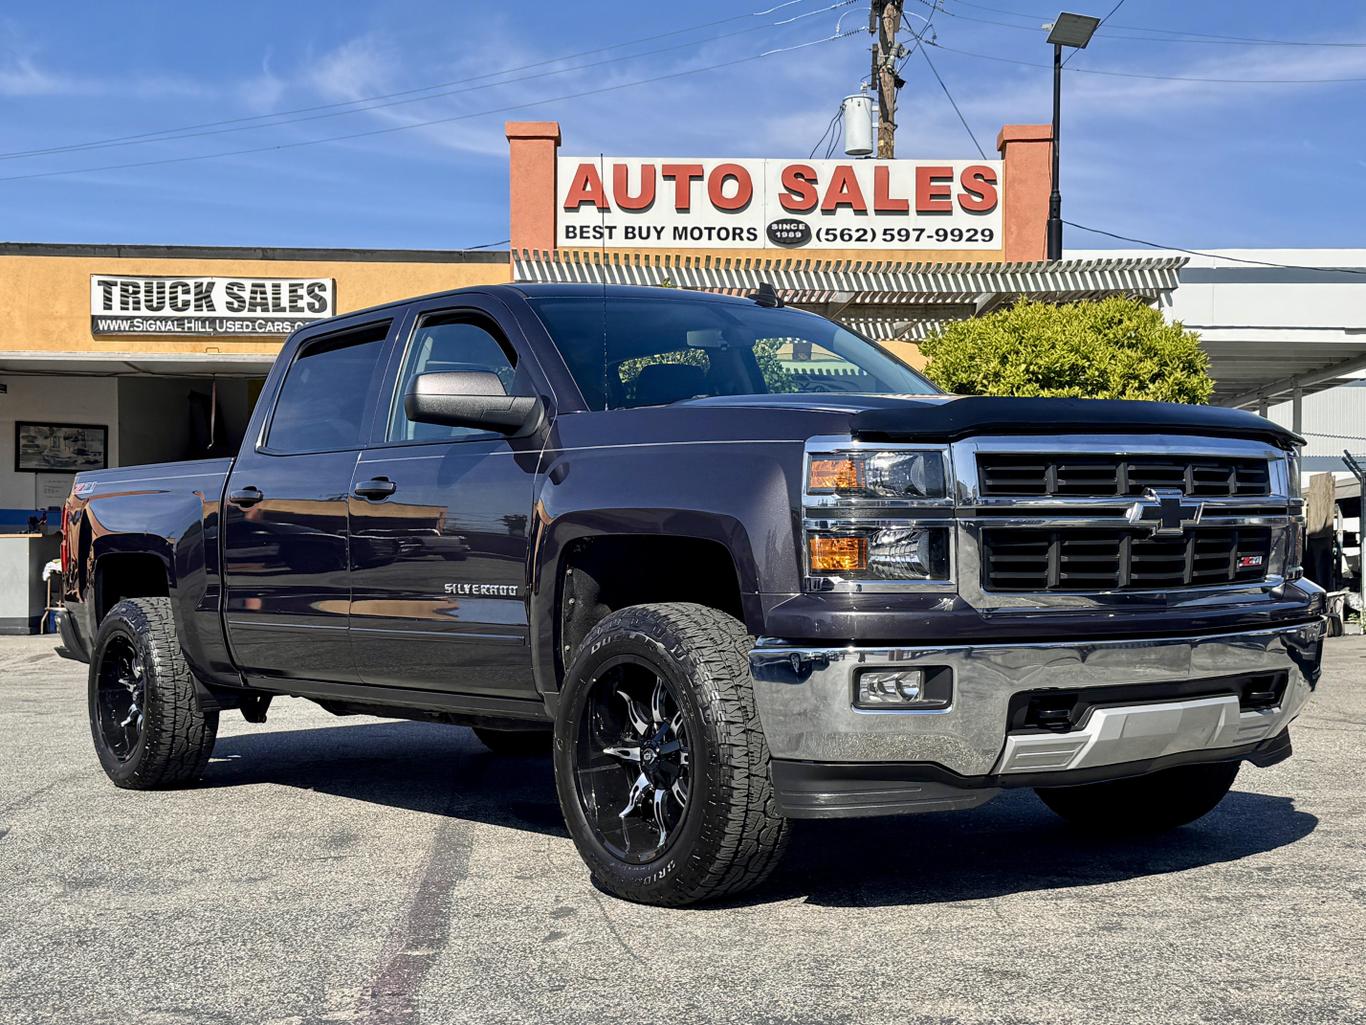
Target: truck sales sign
{"type": "Point", "coordinates": [690, 203]}
{"type": "Point", "coordinates": [121, 305]}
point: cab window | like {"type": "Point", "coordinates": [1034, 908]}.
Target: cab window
{"type": "Point", "coordinates": [449, 342]}
{"type": "Point", "coordinates": [325, 401]}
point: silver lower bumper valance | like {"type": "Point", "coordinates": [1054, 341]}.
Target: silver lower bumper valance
{"type": "Point", "coordinates": [805, 697]}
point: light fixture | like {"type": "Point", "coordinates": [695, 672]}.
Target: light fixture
{"type": "Point", "coordinates": [1074, 30]}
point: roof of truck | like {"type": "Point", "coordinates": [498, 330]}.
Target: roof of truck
{"type": "Point", "coordinates": [543, 291]}
{"type": "Point", "coordinates": [588, 290]}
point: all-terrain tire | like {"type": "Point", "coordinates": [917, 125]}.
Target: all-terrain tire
{"type": "Point", "coordinates": [1144, 804]}
{"type": "Point", "coordinates": [177, 736]}
{"type": "Point", "coordinates": [731, 835]}
{"type": "Point", "coordinates": [515, 743]}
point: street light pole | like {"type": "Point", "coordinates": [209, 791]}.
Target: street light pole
{"type": "Point", "coordinates": [1055, 196]}
{"type": "Point", "coordinates": [1074, 30]}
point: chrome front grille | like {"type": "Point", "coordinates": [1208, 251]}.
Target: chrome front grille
{"type": "Point", "coordinates": [1101, 476]}
{"type": "Point", "coordinates": [1121, 560]}
{"type": "Point", "coordinates": [1122, 520]}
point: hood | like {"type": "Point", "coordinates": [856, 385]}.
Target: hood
{"type": "Point", "coordinates": [949, 417]}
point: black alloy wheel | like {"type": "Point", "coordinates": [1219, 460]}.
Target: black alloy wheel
{"type": "Point", "coordinates": [150, 727]}
{"type": "Point", "coordinates": [661, 766]}
{"type": "Point", "coordinates": [121, 697]}
{"type": "Point", "coordinates": [632, 764]}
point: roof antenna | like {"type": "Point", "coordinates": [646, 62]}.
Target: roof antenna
{"type": "Point", "coordinates": [766, 296]}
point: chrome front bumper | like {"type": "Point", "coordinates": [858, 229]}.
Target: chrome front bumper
{"type": "Point", "coordinates": [805, 701]}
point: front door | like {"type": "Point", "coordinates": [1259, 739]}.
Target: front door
{"type": "Point", "coordinates": [287, 583]}
{"type": "Point", "coordinates": [440, 520]}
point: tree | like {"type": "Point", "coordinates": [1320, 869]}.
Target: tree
{"type": "Point", "coordinates": [777, 378]}
{"type": "Point", "coordinates": [1114, 348]}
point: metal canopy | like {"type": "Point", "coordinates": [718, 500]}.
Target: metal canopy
{"type": "Point", "coordinates": [42, 363]}
{"type": "Point", "coordinates": [884, 299]}
{"type": "Point", "coordinates": [1248, 372]}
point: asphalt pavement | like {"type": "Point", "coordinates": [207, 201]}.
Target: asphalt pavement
{"type": "Point", "coordinates": [359, 870]}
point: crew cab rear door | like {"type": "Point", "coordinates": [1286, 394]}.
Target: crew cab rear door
{"type": "Point", "coordinates": [286, 575]}
{"type": "Point", "coordinates": [440, 519]}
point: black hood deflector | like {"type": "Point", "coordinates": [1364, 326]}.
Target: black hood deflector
{"type": "Point", "coordinates": [975, 414]}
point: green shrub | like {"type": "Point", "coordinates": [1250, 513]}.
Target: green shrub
{"type": "Point", "coordinates": [1113, 348]}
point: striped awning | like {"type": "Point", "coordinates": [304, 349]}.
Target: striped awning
{"type": "Point", "coordinates": [808, 280]}
{"type": "Point", "coordinates": [894, 329]}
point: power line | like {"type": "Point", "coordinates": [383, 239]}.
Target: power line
{"type": "Point", "coordinates": [486, 245]}
{"type": "Point", "coordinates": [966, 127]}
{"type": "Point", "coordinates": [1211, 37]}
{"type": "Point", "coordinates": [1157, 78]}
{"type": "Point", "coordinates": [1217, 256]}
{"type": "Point", "coordinates": [835, 135]}
{"type": "Point", "coordinates": [1197, 37]}
{"type": "Point", "coordinates": [447, 92]}
{"type": "Point", "coordinates": [406, 96]}
{"type": "Point", "coordinates": [920, 40]}
{"type": "Point", "coordinates": [423, 124]}
{"type": "Point", "coordinates": [919, 37]}
{"type": "Point", "coordinates": [826, 134]}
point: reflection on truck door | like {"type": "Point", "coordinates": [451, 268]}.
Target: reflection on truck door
{"type": "Point", "coordinates": [438, 567]}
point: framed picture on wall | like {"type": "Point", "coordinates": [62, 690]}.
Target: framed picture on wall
{"type": "Point", "coordinates": [60, 448]}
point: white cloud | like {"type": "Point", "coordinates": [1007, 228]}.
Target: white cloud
{"type": "Point", "coordinates": [264, 91]}
{"type": "Point", "coordinates": [19, 76]}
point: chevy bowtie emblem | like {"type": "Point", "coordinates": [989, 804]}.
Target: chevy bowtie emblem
{"type": "Point", "coordinates": [1165, 512]}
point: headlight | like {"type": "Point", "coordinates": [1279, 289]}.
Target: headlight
{"type": "Point", "coordinates": [910, 475]}
{"type": "Point", "coordinates": [1292, 474]}
{"type": "Point", "coordinates": [877, 517]}
{"type": "Point", "coordinates": [880, 553]}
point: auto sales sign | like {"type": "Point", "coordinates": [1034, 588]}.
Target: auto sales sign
{"type": "Point", "coordinates": [123, 305]}
{"type": "Point", "coordinates": [699, 203]}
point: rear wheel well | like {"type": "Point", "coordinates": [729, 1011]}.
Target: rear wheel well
{"type": "Point", "coordinates": [121, 575]}
{"type": "Point", "coordinates": [600, 575]}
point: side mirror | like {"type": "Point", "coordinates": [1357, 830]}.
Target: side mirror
{"type": "Point", "coordinates": [473, 398]}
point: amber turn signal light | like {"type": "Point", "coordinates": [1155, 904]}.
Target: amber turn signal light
{"type": "Point", "coordinates": [838, 554]}
{"type": "Point", "coordinates": [835, 475]}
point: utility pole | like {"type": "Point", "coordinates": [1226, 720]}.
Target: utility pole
{"type": "Point", "coordinates": [885, 23]}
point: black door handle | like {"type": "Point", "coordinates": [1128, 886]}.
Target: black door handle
{"type": "Point", "coordinates": [246, 496]}
{"type": "Point", "coordinates": [376, 489]}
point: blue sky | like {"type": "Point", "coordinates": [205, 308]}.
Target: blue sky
{"type": "Point", "coordinates": [1188, 163]}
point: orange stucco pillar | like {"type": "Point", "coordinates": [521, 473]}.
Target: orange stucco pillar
{"type": "Point", "coordinates": [1027, 151]}
{"type": "Point", "coordinates": [532, 147]}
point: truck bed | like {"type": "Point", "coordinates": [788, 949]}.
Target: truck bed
{"type": "Point", "coordinates": [204, 475]}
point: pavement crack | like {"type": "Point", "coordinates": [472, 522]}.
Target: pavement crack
{"type": "Point", "coordinates": [38, 792]}
{"type": "Point", "coordinates": [612, 928]}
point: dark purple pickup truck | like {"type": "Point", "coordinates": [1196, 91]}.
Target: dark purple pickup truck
{"type": "Point", "coordinates": [730, 562]}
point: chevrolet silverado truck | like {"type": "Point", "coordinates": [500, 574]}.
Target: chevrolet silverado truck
{"type": "Point", "coordinates": [727, 563]}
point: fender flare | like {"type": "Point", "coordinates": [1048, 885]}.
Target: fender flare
{"type": "Point", "coordinates": [553, 540]}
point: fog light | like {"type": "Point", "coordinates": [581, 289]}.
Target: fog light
{"type": "Point", "coordinates": [904, 689]}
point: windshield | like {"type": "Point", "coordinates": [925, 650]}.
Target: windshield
{"type": "Point", "coordinates": [625, 352]}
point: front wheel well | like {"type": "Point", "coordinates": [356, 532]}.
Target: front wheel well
{"type": "Point", "coordinates": [121, 575]}
{"type": "Point", "coordinates": [600, 575]}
